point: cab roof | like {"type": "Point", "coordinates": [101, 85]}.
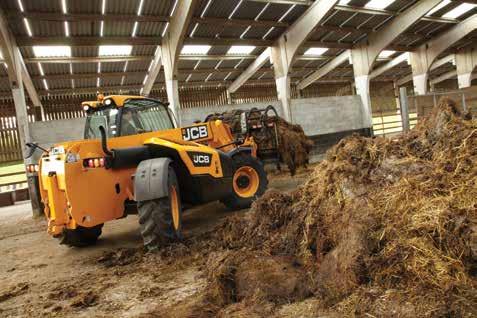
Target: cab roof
{"type": "Point", "coordinates": [118, 100]}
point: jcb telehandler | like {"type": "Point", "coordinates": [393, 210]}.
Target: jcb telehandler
{"type": "Point", "coordinates": [135, 160]}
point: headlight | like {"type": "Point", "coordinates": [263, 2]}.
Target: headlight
{"type": "Point", "coordinates": [71, 157]}
{"type": "Point", "coordinates": [58, 150]}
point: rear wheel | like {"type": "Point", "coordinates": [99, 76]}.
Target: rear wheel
{"type": "Point", "coordinates": [81, 236]}
{"type": "Point", "coordinates": [160, 220]}
{"type": "Point", "coordinates": [248, 183]}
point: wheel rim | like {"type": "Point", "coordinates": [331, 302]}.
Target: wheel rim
{"type": "Point", "coordinates": [246, 182]}
{"type": "Point", "coordinates": [175, 208]}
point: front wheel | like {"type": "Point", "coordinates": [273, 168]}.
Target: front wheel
{"type": "Point", "coordinates": [248, 183]}
{"type": "Point", "coordinates": [160, 220]}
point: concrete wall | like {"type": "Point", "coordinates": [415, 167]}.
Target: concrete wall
{"type": "Point", "coordinates": [317, 116]}
{"type": "Point", "coordinates": [327, 115]}
{"type": "Point", "coordinates": [51, 132]}
{"type": "Point", "coordinates": [48, 133]}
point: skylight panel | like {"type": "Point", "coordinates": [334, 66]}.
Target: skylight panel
{"type": "Point", "coordinates": [262, 11]}
{"type": "Point", "coordinates": [133, 34]}
{"type": "Point", "coordinates": [173, 8]}
{"type": "Point", "coordinates": [268, 32]}
{"type": "Point", "coordinates": [286, 13]}
{"type": "Point", "coordinates": [40, 69]}
{"type": "Point", "coordinates": [195, 49]}
{"type": "Point", "coordinates": [20, 5]}
{"type": "Point", "coordinates": [193, 30]}
{"type": "Point", "coordinates": [27, 27]}
{"type": "Point", "coordinates": [67, 29]}
{"type": "Point", "coordinates": [206, 8]}
{"type": "Point", "coordinates": [378, 4]}
{"type": "Point", "coordinates": [316, 51]}
{"type": "Point", "coordinates": [235, 9]}
{"type": "Point", "coordinates": [460, 10]}
{"type": "Point", "coordinates": [439, 6]}
{"type": "Point", "coordinates": [111, 50]}
{"type": "Point", "coordinates": [343, 2]}
{"type": "Point", "coordinates": [103, 7]}
{"type": "Point", "coordinates": [238, 64]}
{"type": "Point", "coordinates": [1, 58]}
{"type": "Point", "coordinates": [52, 51]}
{"type": "Point", "coordinates": [245, 32]}
{"type": "Point", "coordinates": [139, 9]}
{"type": "Point", "coordinates": [386, 53]}
{"type": "Point", "coordinates": [241, 49]}
{"type": "Point", "coordinates": [63, 7]}
{"type": "Point", "coordinates": [165, 29]}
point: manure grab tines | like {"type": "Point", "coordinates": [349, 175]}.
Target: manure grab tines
{"type": "Point", "coordinates": [294, 147]}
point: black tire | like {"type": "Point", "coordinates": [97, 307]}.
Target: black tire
{"type": "Point", "coordinates": [81, 236]}
{"type": "Point", "coordinates": [237, 202]}
{"type": "Point", "coordinates": [156, 220]}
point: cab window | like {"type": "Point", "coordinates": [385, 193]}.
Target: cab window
{"type": "Point", "coordinates": [144, 115]}
{"type": "Point", "coordinates": [105, 117]}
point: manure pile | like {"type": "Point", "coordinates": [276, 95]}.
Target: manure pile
{"type": "Point", "coordinates": [294, 146]}
{"type": "Point", "coordinates": [383, 227]}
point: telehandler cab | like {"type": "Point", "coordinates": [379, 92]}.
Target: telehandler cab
{"type": "Point", "coordinates": [135, 160]}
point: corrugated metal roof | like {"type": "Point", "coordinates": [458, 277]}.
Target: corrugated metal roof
{"type": "Point", "coordinates": [416, 35]}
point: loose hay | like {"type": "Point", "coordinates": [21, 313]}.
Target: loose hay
{"type": "Point", "coordinates": [385, 227]}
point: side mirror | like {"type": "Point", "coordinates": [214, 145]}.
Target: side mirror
{"type": "Point", "coordinates": [31, 149]}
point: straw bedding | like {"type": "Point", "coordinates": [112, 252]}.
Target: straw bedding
{"type": "Point", "coordinates": [383, 227]}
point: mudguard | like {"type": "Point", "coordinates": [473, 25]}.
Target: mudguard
{"type": "Point", "coordinates": [150, 180]}
{"type": "Point", "coordinates": [246, 150]}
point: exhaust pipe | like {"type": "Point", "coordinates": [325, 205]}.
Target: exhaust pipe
{"type": "Point", "coordinates": [104, 142]}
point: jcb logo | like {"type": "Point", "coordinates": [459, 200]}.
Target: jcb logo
{"type": "Point", "coordinates": [200, 159]}
{"type": "Point", "coordinates": [195, 132]}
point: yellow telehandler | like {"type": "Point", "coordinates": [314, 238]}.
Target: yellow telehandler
{"type": "Point", "coordinates": [134, 159]}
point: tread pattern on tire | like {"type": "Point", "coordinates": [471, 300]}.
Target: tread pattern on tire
{"type": "Point", "coordinates": [155, 220]}
{"type": "Point", "coordinates": [233, 201]}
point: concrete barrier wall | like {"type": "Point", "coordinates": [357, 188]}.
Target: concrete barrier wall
{"type": "Point", "coordinates": [327, 115]}
{"type": "Point", "coordinates": [317, 116]}
{"type": "Point", "coordinates": [51, 132]}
